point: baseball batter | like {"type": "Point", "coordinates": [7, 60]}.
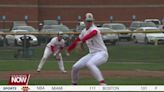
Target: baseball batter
{"type": "Point", "coordinates": [97, 51]}
{"type": "Point", "coordinates": [54, 47]}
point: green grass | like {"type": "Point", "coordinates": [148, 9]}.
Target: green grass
{"type": "Point", "coordinates": [121, 58]}
{"type": "Point", "coordinates": [139, 53]}
{"type": "Point", "coordinates": [148, 53]}
{"type": "Point", "coordinates": [52, 65]}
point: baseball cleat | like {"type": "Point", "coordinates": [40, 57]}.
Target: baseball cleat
{"type": "Point", "coordinates": [103, 84]}
{"type": "Point", "coordinates": [38, 70]}
{"type": "Point", "coordinates": [74, 83]}
{"type": "Point", "coordinates": [64, 71]}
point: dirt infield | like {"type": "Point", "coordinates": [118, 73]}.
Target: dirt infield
{"type": "Point", "coordinates": [4, 75]}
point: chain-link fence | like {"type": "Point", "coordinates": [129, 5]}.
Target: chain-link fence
{"type": "Point", "coordinates": [26, 46]}
{"type": "Point", "coordinates": [14, 46]}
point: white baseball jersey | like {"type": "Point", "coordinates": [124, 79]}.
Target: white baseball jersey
{"type": "Point", "coordinates": [55, 42]}
{"type": "Point", "coordinates": [95, 44]}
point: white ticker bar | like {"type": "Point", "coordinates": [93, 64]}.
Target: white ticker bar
{"type": "Point", "coordinates": [26, 88]}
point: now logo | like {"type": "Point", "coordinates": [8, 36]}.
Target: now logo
{"type": "Point", "coordinates": [19, 79]}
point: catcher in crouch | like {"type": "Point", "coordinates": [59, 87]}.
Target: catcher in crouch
{"type": "Point", "coordinates": [54, 47]}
